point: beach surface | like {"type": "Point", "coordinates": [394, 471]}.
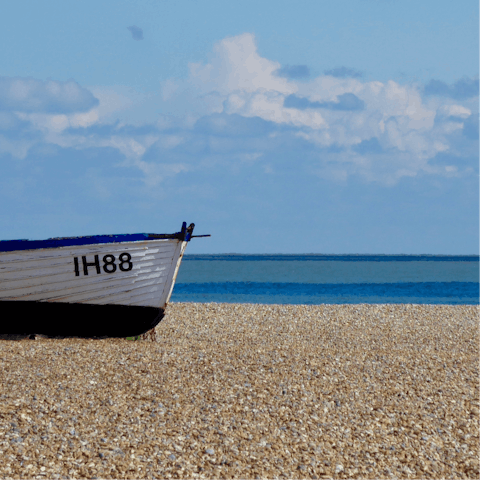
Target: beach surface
{"type": "Point", "coordinates": [250, 391]}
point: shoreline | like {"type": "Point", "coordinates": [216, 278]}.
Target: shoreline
{"type": "Point", "coordinates": [247, 390]}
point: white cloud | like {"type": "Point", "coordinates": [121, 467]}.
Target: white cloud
{"type": "Point", "coordinates": [390, 131]}
{"type": "Point", "coordinates": [31, 95]}
{"type": "Point", "coordinates": [242, 82]}
{"type": "Point", "coordinates": [454, 111]}
{"type": "Point", "coordinates": [236, 66]}
{"type": "Point", "coordinates": [237, 80]}
{"type": "Point", "coordinates": [269, 106]}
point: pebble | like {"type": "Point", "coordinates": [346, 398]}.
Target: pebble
{"type": "Point", "coordinates": [250, 391]}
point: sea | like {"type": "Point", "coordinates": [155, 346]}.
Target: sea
{"type": "Point", "coordinates": [328, 279]}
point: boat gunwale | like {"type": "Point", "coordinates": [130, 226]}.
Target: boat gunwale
{"type": "Point", "coordinates": [59, 242]}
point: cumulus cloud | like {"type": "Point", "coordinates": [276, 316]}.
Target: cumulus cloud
{"type": "Point", "coordinates": [237, 66]}
{"type": "Point", "coordinates": [390, 121]}
{"type": "Point", "coordinates": [293, 71]}
{"type": "Point", "coordinates": [29, 95]}
{"type": "Point", "coordinates": [65, 114]}
{"type": "Point", "coordinates": [343, 72]}
{"type": "Point", "coordinates": [137, 32]}
{"type": "Point", "coordinates": [241, 108]}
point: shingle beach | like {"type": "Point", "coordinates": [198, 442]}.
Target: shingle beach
{"type": "Point", "coordinates": [250, 391]}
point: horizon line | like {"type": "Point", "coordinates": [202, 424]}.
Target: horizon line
{"type": "Point", "coordinates": [350, 254]}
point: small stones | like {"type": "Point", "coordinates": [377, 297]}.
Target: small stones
{"type": "Point", "coordinates": [250, 391]}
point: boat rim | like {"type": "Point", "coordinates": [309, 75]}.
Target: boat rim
{"type": "Point", "coordinates": [185, 234]}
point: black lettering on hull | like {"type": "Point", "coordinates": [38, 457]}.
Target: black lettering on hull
{"type": "Point", "coordinates": [109, 265]}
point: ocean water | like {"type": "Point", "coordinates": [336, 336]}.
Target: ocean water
{"type": "Point", "coordinates": [330, 279]}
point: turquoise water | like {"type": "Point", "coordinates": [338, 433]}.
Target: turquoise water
{"type": "Point", "coordinates": [332, 279]}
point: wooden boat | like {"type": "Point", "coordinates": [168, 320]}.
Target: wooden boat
{"type": "Point", "coordinates": [91, 287]}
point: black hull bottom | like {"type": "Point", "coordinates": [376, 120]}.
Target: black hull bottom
{"type": "Point", "coordinates": [62, 320]}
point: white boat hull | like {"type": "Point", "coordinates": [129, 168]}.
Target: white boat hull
{"type": "Point", "coordinates": [113, 289]}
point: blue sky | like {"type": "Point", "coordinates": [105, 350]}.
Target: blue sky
{"type": "Point", "coordinates": [277, 127]}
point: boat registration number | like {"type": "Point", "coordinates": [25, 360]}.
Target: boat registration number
{"type": "Point", "coordinates": [109, 266]}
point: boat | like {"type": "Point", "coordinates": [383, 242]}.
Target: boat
{"type": "Point", "coordinates": [97, 286]}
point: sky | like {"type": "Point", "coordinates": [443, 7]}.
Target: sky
{"type": "Point", "coordinates": [274, 126]}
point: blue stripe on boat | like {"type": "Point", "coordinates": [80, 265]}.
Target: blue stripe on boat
{"type": "Point", "coordinates": [13, 245]}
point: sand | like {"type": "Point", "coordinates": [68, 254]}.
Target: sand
{"type": "Point", "coordinates": [250, 391]}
